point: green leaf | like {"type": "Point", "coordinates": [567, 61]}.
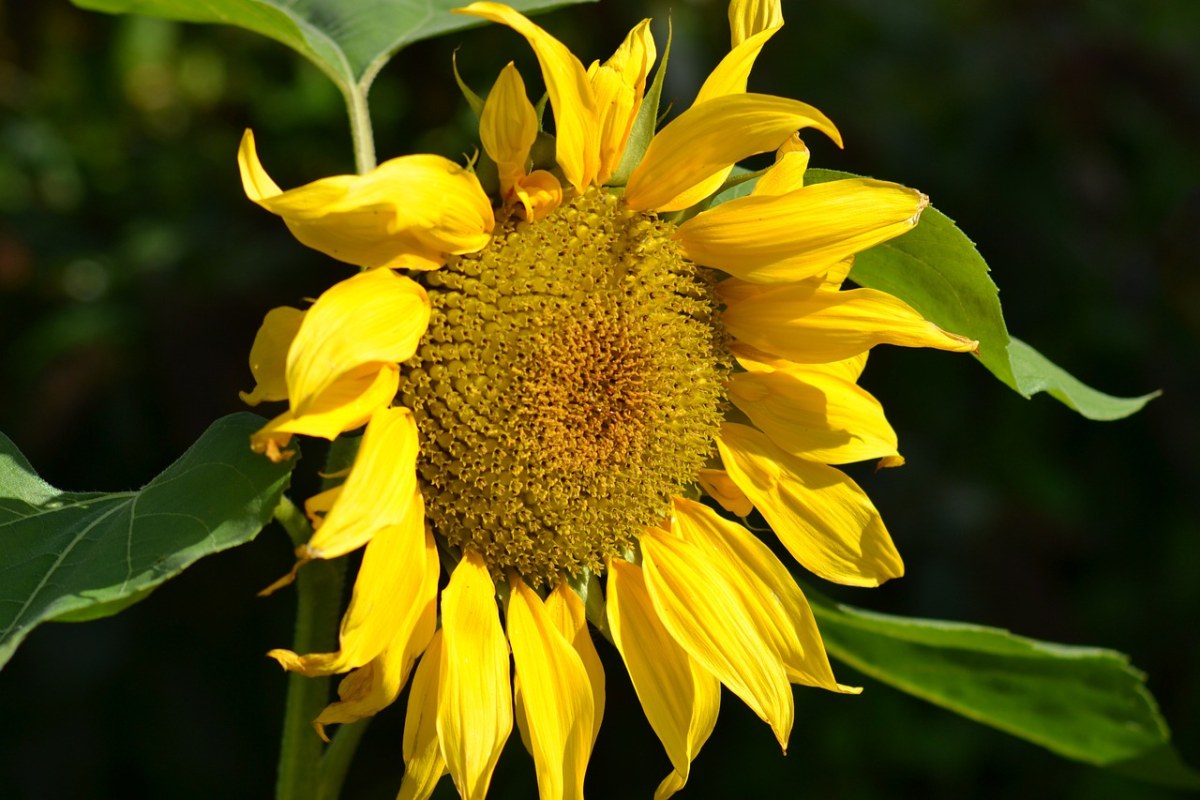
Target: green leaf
{"type": "Point", "coordinates": [74, 556]}
{"type": "Point", "coordinates": [1084, 703]}
{"type": "Point", "coordinates": [936, 269]}
{"type": "Point", "coordinates": [349, 41]}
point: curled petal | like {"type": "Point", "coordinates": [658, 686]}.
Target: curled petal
{"type": "Point", "coordinates": [508, 127]}
{"type": "Point", "coordinates": [539, 193]}
{"type": "Point", "coordinates": [822, 517]}
{"type": "Point", "coordinates": [559, 711]}
{"type": "Point", "coordinates": [423, 763]}
{"type": "Point", "coordinates": [408, 212]}
{"type": "Point", "coordinates": [711, 136]}
{"type": "Point", "coordinates": [787, 174]}
{"type": "Point", "coordinates": [619, 85]}
{"type": "Point", "coordinates": [813, 324]}
{"type": "Point", "coordinates": [722, 623]}
{"type": "Point", "coordinates": [768, 238]}
{"type": "Point", "coordinates": [268, 355]}
{"type": "Point", "coordinates": [681, 699]}
{"type": "Point", "coordinates": [474, 714]}
{"type": "Point", "coordinates": [720, 487]}
{"type": "Point", "coordinates": [748, 17]}
{"type": "Point", "coordinates": [569, 89]}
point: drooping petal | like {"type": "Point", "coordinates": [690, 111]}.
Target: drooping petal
{"type": "Point", "coordinates": [681, 699]}
{"type": "Point", "coordinates": [423, 763]}
{"type": "Point", "coordinates": [377, 492]}
{"type": "Point", "coordinates": [373, 318]}
{"type": "Point", "coordinates": [782, 238]}
{"type": "Point", "coordinates": [508, 128]}
{"type": "Point", "coordinates": [711, 136]}
{"type": "Point", "coordinates": [375, 686]}
{"type": "Point", "coordinates": [720, 487]}
{"type": "Point", "coordinates": [748, 17]}
{"type": "Point", "coordinates": [619, 85]}
{"type": "Point", "coordinates": [408, 212]}
{"type": "Point", "coordinates": [268, 355]}
{"type": "Point", "coordinates": [390, 595]}
{"type": "Point", "coordinates": [474, 715]}
{"type": "Point", "coordinates": [559, 710]}
{"type": "Point", "coordinates": [721, 623]}
{"type": "Point", "coordinates": [565, 610]}
{"type": "Point", "coordinates": [817, 325]}
{"type": "Point", "coordinates": [822, 517]}
{"type": "Point", "coordinates": [577, 143]}
{"type": "Point", "coordinates": [792, 627]}
{"type": "Point", "coordinates": [813, 413]}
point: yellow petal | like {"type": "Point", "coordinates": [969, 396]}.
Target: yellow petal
{"type": "Point", "coordinates": [782, 238]}
{"type": "Point", "coordinates": [539, 192]}
{"type": "Point", "coordinates": [508, 127]}
{"type": "Point", "coordinates": [559, 709]}
{"type": "Point", "coordinates": [378, 490]}
{"type": "Point", "coordinates": [720, 487]}
{"type": "Point", "coordinates": [566, 611]}
{"type": "Point", "coordinates": [619, 85]}
{"type": "Point", "coordinates": [822, 517]}
{"type": "Point", "coordinates": [814, 413]}
{"type": "Point", "coordinates": [375, 686]}
{"type": "Point", "coordinates": [711, 136]}
{"type": "Point", "coordinates": [343, 406]}
{"type": "Point", "coordinates": [680, 698]}
{"type": "Point", "coordinates": [787, 174]}
{"type": "Point", "coordinates": [373, 318]}
{"type": "Point", "coordinates": [754, 360]}
{"type": "Point", "coordinates": [811, 326]}
{"type": "Point", "coordinates": [722, 624]}
{"type": "Point", "coordinates": [748, 17]}
{"type": "Point", "coordinates": [408, 212]}
{"type": "Point", "coordinates": [390, 595]}
{"type": "Point", "coordinates": [423, 763]}
{"type": "Point", "coordinates": [570, 93]}
{"type": "Point", "coordinates": [268, 355]}
{"type": "Point", "coordinates": [791, 626]}
{"type": "Point", "coordinates": [474, 715]}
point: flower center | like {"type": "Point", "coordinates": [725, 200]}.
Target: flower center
{"type": "Point", "coordinates": [569, 384]}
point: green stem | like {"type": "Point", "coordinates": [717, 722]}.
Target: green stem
{"type": "Point", "coordinates": [319, 594]}
{"type": "Point", "coordinates": [360, 128]}
{"type": "Point", "coordinates": [336, 760]}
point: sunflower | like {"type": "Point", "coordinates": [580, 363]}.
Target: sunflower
{"type": "Point", "coordinates": [553, 376]}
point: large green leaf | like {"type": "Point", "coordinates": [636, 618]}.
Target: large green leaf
{"type": "Point", "coordinates": [73, 556]}
{"type": "Point", "coordinates": [936, 269]}
{"type": "Point", "coordinates": [1084, 703]}
{"type": "Point", "coordinates": [350, 40]}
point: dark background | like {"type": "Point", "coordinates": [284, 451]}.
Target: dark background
{"type": "Point", "coordinates": [1063, 136]}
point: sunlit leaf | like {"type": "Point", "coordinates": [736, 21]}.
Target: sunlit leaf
{"type": "Point", "coordinates": [349, 41]}
{"type": "Point", "coordinates": [75, 556]}
{"type": "Point", "coordinates": [1083, 703]}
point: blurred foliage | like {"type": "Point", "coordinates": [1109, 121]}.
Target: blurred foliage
{"type": "Point", "coordinates": [1062, 136]}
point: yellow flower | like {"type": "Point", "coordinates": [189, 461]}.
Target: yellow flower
{"type": "Point", "coordinates": [551, 390]}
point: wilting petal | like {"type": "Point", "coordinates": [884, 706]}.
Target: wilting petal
{"type": "Point", "coordinates": [373, 318]}
{"type": "Point", "coordinates": [680, 698]}
{"type": "Point", "coordinates": [423, 763]}
{"type": "Point", "coordinates": [822, 517]}
{"type": "Point", "coordinates": [788, 237]}
{"type": "Point", "coordinates": [508, 127]}
{"type": "Point", "coordinates": [375, 686]}
{"type": "Point", "coordinates": [539, 192]}
{"type": "Point", "coordinates": [474, 716]}
{"type": "Point", "coordinates": [791, 627]}
{"type": "Point", "coordinates": [390, 594]}
{"type": "Point", "coordinates": [268, 355]}
{"type": "Point", "coordinates": [559, 710]}
{"type": "Point", "coordinates": [377, 492]}
{"type": "Point", "coordinates": [811, 324]}
{"type": "Point", "coordinates": [565, 610]}
{"type": "Point", "coordinates": [569, 89]}
{"type": "Point", "coordinates": [619, 85]}
{"type": "Point", "coordinates": [748, 17]}
{"type": "Point", "coordinates": [408, 212]}
{"type": "Point", "coordinates": [710, 611]}
{"type": "Point", "coordinates": [813, 413]}
{"type": "Point", "coordinates": [720, 487]}
{"type": "Point", "coordinates": [711, 136]}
